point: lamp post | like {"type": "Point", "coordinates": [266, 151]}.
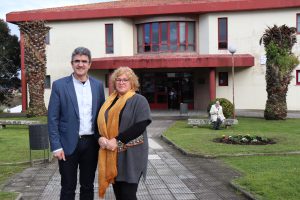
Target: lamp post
{"type": "Point", "coordinates": [232, 50]}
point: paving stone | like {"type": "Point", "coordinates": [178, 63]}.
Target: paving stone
{"type": "Point", "coordinates": [170, 176]}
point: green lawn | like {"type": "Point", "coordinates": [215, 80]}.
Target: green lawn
{"type": "Point", "coordinates": [267, 177]}
{"type": "Point", "coordinates": [199, 140]}
{"type": "Point", "coordinates": [14, 149]}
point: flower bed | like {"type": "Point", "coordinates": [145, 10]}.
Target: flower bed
{"type": "Point", "coordinates": [244, 140]}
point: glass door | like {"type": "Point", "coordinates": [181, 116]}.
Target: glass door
{"type": "Point", "coordinates": [167, 90]}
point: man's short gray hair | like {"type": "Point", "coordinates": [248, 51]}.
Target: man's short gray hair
{"type": "Point", "coordinates": [82, 51]}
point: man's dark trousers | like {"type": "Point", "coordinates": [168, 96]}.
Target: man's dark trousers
{"type": "Point", "coordinates": [217, 124]}
{"type": "Point", "coordinates": [85, 157]}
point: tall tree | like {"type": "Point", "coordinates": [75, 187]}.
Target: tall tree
{"type": "Point", "coordinates": [281, 62]}
{"type": "Point", "coordinates": [9, 62]}
{"type": "Point", "coordinates": [35, 63]}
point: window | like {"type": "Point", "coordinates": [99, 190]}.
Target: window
{"type": "Point", "coordinates": [298, 23]}
{"type": "Point", "coordinates": [47, 82]}
{"type": "Point", "coordinates": [223, 78]}
{"type": "Point", "coordinates": [222, 33]}
{"type": "Point", "coordinates": [297, 77]}
{"type": "Point", "coordinates": [166, 37]}
{"type": "Point", "coordinates": [47, 38]}
{"type": "Point", "coordinates": [109, 38]}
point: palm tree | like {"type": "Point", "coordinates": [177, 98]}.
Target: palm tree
{"type": "Point", "coordinates": [281, 62]}
{"type": "Point", "coordinates": [35, 63]}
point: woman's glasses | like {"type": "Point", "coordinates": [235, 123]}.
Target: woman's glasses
{"type": "Point", "coordinates": [119, 80]}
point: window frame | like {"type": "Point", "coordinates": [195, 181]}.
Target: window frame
{"type": "Point", "coordinates": [219, 33]}
{"type": "Point", "coordinates": [298, 23]}
{"type": "Point", "coordinates": [142, 48]}
{"type": "Point", "coordinates": [107, 45]}
{"type": "Point", "coordinates": [297, 77]}
{"type": "Point", "coordinates": [223, 79]}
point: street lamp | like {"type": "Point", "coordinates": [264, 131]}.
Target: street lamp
{"type": "Point", "coordinates": [232, 50]}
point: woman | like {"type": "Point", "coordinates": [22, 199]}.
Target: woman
{"type": "Point", "coordinates": [123, 141]}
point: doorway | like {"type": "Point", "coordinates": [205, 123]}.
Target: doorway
{"type": "Point", "coordinates": [166, 90]}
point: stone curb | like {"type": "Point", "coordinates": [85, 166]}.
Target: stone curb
{"type": "Point", "coordinates": [227, 155]}
{"type": "Point", "coordinates": [38, 161]}
{"type": "Point", "coordinates": [236, 187]}
{"type": "Point", "coordinates": [183, 151]}
{"type": "Point", "coordinates": [19, 197]}
{"type": "Point", "coordinates": [247, 194]}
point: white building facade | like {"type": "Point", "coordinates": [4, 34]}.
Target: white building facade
{"type": "Point", "coordinates": [181, 46]}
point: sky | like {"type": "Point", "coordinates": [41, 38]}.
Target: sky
{"type": "Point", "coordinates": [20, 5]}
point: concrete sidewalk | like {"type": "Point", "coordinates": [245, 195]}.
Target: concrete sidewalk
{"type": "Point", "coordinates": [171, 176]}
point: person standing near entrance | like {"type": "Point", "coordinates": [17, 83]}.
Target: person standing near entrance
{"type": "Point", "coordinates": [74, 104]}
{"type": "Point", "coordinates": [172, 98]}
{"type": "Point", "coordinates": [122, 123]}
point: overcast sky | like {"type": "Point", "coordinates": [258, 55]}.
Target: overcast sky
{"type": "Point", "coordinates": [20, 5]}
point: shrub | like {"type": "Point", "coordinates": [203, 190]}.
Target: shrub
{"type": "Point", "coordinates": [226, 104]}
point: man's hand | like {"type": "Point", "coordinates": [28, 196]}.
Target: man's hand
{"type": "Point", "coordinates": [60, 155]}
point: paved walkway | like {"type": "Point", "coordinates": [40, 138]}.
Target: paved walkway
{"type": "Point", "coordinates": [171, 176]}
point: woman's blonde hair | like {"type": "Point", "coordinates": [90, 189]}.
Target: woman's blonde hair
{"type": "Point", "coordinates": [134, 80]}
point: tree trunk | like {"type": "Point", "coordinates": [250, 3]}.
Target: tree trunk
{"type": "Point", "coordinates": [35, 64]}
{"type": "Point", "coordinates": [277, 87]}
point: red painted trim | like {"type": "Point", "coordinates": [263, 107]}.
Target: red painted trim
{"type": "Point", "coordinates": [297, 77]}
{"type": "Point", "coordinates": [172, 61]}
{"type": "Point", "coordinates": [23, 75]}
{"type": "Point", "coordinates": [158, 106]}
{"type": "Point", "coordinates": [212, 84]}
{"type": "Point", "coordinates": [124, 9]}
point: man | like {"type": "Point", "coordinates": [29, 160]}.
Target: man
{"type": "Point", "coordinates": [216, 115]}
{"type": "Point", "coordinates": [72, 113]}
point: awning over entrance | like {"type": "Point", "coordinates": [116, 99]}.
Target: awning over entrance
{"type": "Point", "coordinates": [173, 61]}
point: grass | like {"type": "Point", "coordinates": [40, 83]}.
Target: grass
{"type": "Point", "coordinates": [267, 177]}
{"type": "Point", "coordinates": [199, 140]}
{"type": "Point", "coordinates": [8, 196]}
{"type": "Point", "coordinates": [14, 149]}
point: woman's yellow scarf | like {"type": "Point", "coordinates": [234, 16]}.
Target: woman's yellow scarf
{"type": "Point", "coordinates": [107, 160]}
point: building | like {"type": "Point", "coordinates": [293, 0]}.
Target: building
{"type": "Point", "coordinates": [177, 47]}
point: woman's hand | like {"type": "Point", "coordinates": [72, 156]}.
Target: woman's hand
{"type": "Point", "coordinates": [112, 144]}
{"type": "Point", "coordinates": [103, 141]}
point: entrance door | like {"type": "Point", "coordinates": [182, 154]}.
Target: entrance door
{"type": "Point", "coordinates": [167, 90]}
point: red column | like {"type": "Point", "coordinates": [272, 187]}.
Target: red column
{"type": "Point", "coordinates": [212, 83]}
{"type": "Point", "coordinates": [23, 75]}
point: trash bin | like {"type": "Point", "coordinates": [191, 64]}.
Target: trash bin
{"type": "Point", "coordinates": [183, 108]}
{"type": "Point", "coordinates": [38, 138]}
